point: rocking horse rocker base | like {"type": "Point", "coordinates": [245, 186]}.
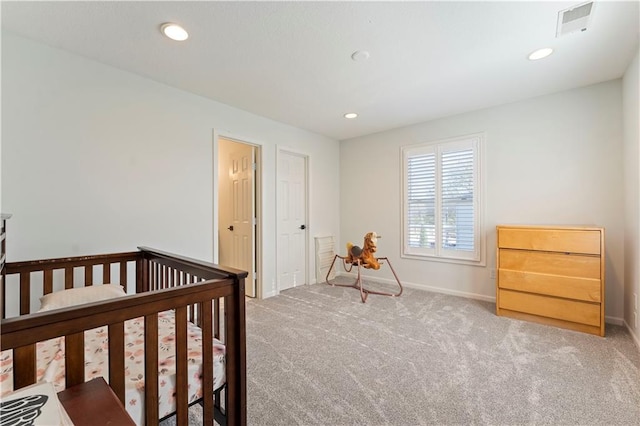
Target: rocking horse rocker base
{"type": "Point", "coordinates": [358, 284]}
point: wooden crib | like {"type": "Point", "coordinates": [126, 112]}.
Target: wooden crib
{"type": "Point", "coordinates": [208, 295]}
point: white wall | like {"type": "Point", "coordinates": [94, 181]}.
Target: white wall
{"type": "Point", "coordinates": [98, 160]}
{"type": "Point", "coordinates": [550, 160]}
{"type": "Point", "coordinates": [631, 98]}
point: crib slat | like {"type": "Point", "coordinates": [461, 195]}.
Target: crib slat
{"type": "Point", "coordinates": [207, 367]}
{"type": "Point", "coordinates": [216, 319]}
{"type": "Point", "coordinates": [25, 292]}
{"type": "Point", "coordinates": [153, 275]}
{"type": "Point", "coordinates": [88, 275]}
{"type": "Point", "coordinates": [192, 307]}
{"type": "Point", "coordinates": [116, 359]}
{"type": "Point", "coordinates": [199, 314]}
{"type": "Point", "coordinates": [164, 276]}
{"type": "Point", "coordinates": [123, 275]}
{"type": "Point", "coordinates": [106, 273]}
{"type": "Point", "coordinates": [156, 276]}
{"type": "Point", "coordinates": [154, 282]}
{"type": "Point", "coordinates": [74, 359]}
{"type": "Point", "coordinates": [25, 357]}
{"type": "Point", "coordinates": [4, 297]}
{"type": "Point", "coordinates": [182, 402]}
{"type": "Point", "coordinates": [48, 281]}
{"type": "Point", "coordinates": [142, 275]}
{"type": "Point", "coordinates": [151, 271]}
{"type": "Point", "coordinates": [151, 369]}
{"type": "Point", "coordinates": [68, 277]}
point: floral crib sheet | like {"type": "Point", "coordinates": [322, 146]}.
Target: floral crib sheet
{"type": "Point", "coordinates": [50, 363]}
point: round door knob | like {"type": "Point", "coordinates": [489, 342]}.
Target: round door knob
{"type": "Point", "coordinates": [303, 227]}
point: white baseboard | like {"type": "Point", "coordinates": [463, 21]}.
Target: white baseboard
{"type": "Point", "coordinates": [269, 294]}
{"type": "Point", "coordinates": [634, 336]}
{"type": "Point", "coordinates": [485, 298]}
{"type": "Point", "coordinates": [417, 286]}
{"type": "Point", "coordinates": [614, 320]}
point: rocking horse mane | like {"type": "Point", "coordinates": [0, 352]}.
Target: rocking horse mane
{"type": "Point", "coordinates": [370, 242]}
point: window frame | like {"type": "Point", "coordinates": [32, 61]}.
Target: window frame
{"type": "Point", "coordinates": [438, 252]}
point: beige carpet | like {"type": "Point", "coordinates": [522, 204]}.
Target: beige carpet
{"type": "Point", "coordinates": [317, 356]}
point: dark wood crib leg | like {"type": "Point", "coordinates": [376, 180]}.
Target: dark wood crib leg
{"type": "Point", "coordinates": [219, 415]}
{"type": "Point", "coordinates": [218, 411]}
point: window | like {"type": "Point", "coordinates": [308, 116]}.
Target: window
{"type": "Point", "coordinates": [442, 199]}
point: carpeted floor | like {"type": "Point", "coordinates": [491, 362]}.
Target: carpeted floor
{"type": "Point", "coordinates": [316, 355]}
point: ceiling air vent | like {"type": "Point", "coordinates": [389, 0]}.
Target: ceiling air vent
{"type": "Point", "coordinates": [574, 19]}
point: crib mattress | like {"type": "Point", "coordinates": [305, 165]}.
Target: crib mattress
{"type": "Point", "coordinates": [50, 363]}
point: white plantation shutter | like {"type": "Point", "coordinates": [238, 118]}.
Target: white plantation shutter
{"type": "Point", "coordinates": [441, 217]}
{"type": "Point", "coordinates": [457, 212]}
{"type": "Point", "coordinates": [421, 192]}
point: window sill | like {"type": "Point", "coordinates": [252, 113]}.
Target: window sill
{"type": "Point", "coordinates": [481, 262]}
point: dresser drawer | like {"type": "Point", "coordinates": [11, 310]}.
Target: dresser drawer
{"type": "Point", "coordinates": [551, 307]}
{"type": "Point", "coordinates": [587, 289]}
{"type": "Point", "coordinates": [572, 265]}
{"type": "Point", "coordinates": [558, 240]}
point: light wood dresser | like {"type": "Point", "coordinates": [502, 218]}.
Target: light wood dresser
{"type": "Point", "coordinates": [552, 275]}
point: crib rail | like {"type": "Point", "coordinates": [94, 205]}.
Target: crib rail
{"type": "Point", "coordinates": [195, 290]}
{"type": "Point", "coordinates": [162, 270]}
{"type": "Point", "coordinates": [36, 277]}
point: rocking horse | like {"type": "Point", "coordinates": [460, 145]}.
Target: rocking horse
{"type": "Point", "coordinates": [363, 258]}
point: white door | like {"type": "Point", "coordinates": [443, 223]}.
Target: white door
{"type": "Point", "coordinates": [236, 213]}
{"type": "Point", "coordinates": [292, 215]}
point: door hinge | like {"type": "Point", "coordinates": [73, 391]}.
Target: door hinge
{"type": "Point", "coordinates": [254, 166]}
{"type": "Point", "coordinates": [255, 220]}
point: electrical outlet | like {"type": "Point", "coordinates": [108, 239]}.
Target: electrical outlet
{"type": "Point", "coordinates": [492, 274]}
{"type": "Point", "coordinates": [635, 301]}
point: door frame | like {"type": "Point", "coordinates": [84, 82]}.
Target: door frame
{"type": "Point", "coordinates": [290, 151]}
{"type": "Point", "coordinates": [258, 202]}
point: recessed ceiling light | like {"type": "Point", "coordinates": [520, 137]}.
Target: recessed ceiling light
{"type": "Point", "coordinates": [174, 31]}
{"type": "Point", "coordinates": [540, 53]}
{"type": "Point", "coordinates": [350, 115]}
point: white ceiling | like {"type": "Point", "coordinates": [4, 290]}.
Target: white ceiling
{"type": "Point", "coordinates": [291, 61]}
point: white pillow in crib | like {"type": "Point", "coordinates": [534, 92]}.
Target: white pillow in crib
{"type": "Point", "coordinates": [79, 296]}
